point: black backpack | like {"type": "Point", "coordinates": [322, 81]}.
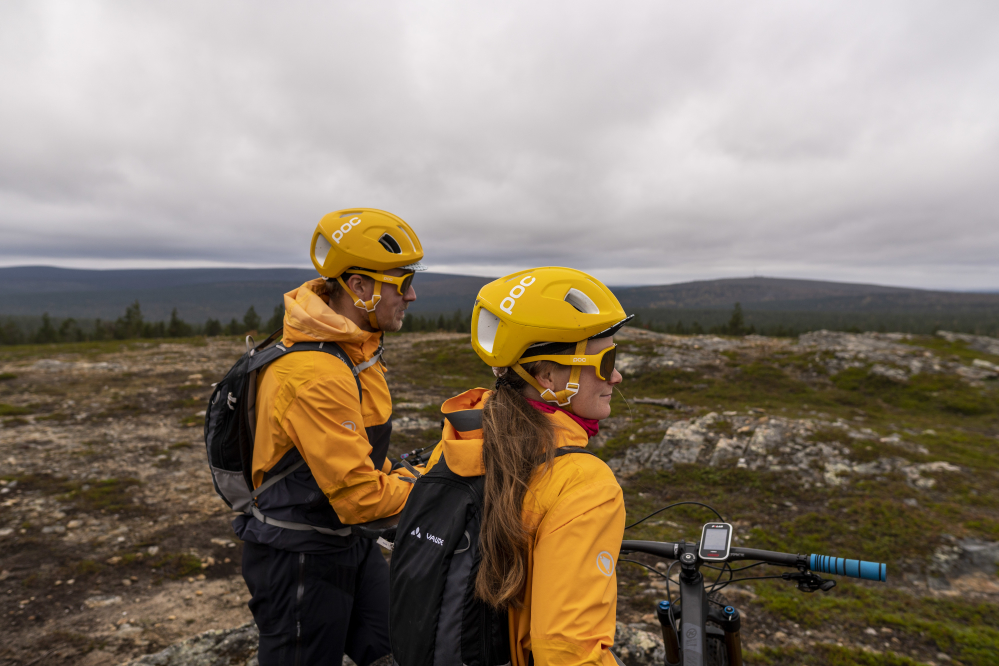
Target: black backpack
{"type": "Point", "coordinates": [435, 618]}
{"type": "Point", "coordinates": [230, 422]}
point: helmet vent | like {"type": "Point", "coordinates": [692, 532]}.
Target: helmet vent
{"type": "Point", "coordinates": [407, 238]}
{"type": "Point", "coordinates": [390, 244]}
{"type": "Point", "coordinates": [581, 302]}
{"type": "Point", "coordinates": [485, 329]}
{"type": "Point", "coordinates": [349, 214]}
{"type": "Point", "coordinates": [322, 249]}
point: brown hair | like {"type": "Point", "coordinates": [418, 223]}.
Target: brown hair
{"type": "Point", "coordinates": [516, 439]}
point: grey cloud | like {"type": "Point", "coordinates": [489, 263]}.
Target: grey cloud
{"type": "Point", "coordinates": [648, 142]}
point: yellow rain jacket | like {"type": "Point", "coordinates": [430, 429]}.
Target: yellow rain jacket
{"type": "Point", "coordinates": [575, 514]}
{"type": "Point", "coordinates": [307, 408]}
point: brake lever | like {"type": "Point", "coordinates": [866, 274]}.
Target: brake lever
{"type": "Point", "coordinates": [414, 457]}
{"type": "Point", "coordinates": [808, 581]}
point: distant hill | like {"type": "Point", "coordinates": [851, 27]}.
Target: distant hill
{"type": "Point", "coordinates": [761, 293]}
{"type": "Point", "coordinates": [197, 293]}
{"type": "Point", "coordinates": [224, 293]}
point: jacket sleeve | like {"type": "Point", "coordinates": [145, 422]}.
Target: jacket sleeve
{"type": "Point", "coordinates": [325, 423]}
{"type": "Point", "coordinates": [574, 595]}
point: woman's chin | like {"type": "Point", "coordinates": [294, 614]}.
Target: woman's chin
{"type": "Point", "coordinates": [598, 414]}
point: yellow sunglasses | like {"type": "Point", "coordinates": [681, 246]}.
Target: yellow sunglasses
{"type": "Point", "coordinates": [603, 360]}
{"type": "Point", "coordinates": [401, 282]}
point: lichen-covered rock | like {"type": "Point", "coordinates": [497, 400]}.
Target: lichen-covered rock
{"type": "Point", "coordinates": [238, 647]}
{"type": "Point", "coordinates": [976, 342]}
{"type": "Point", "coordinates": [686, 439]}
{"type": "Point", "coordinates": [962, 561]}
{"type": "Point", "coordinates": [727, 451]}
{"type": "Point", "coordinates": [779, 445]}
{"type": "Point", "coordinates": [683, 443]}
{"type": "Point", "coordinates": [637, 647]}
{"type": "Point", "coordinates": [647, 455]}
{"type": "Point", "coordinates": [219, 647]}
{"type": "Point", "coordinates": [893, 374]}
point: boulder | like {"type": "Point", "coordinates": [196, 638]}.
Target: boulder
{"type": "Point", "coordinates": [238, 647]}
{"type": "Point", "coordinates": [637, 647]}
{"type": "Point", "coordinates": [683, 443]}
{"type": "Point", "coordinates": [219, 647]}
{"type": "Point", "coordinates": [686, 439]}
{"type": "Point", "coordinates": [977, 342]}
{"type": "Point", "coordinates": [727, 451]}
{"type": "Point", "coordinates": [897, 375]}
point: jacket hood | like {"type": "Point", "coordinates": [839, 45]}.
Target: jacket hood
{"type": "Point", "coordinates": [461, 441]}
{"type": "Point", "coordinates": [308, 317]}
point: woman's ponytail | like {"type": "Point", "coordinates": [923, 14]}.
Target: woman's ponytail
{"type": "Point", "coordinates": [516, 439]}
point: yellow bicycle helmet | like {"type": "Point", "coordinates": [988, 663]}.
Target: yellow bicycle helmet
{"type": "Point", "coordinates": [368, 239]}
{"type": "Point", "coordinates": [520, 316]}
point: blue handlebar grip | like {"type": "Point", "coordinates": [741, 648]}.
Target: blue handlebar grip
{"type": "Point", "coordinates": [853, 568]}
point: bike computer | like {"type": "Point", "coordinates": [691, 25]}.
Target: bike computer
{"type": "Point", "coordinates": [716, 540]}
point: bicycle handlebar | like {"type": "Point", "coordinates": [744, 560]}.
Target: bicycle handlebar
{"type": "Point", "coordinates": [821, 563]}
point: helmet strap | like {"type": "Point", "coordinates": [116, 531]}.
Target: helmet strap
{"type": "Point", "coordinates": [561, 398]}
{"type": "Point", "coordinates": [367, 306]}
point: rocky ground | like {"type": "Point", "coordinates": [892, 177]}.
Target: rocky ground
{"type": "Point", "coordinates": [882, 446]}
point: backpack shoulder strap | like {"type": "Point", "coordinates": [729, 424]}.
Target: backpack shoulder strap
{"type": "Point", "coordinates": [261, 357]}
{"type": "Point", "coordinates": [566, 450]}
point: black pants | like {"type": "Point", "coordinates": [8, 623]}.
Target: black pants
{"type": "Point", "coordinates": [310, 609]}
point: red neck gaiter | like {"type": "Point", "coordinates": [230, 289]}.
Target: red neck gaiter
{"type": "Point", "coordinates": [591, 426]}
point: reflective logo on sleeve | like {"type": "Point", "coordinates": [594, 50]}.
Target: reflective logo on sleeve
{"type": "Point", "coordinates": [605, 564]}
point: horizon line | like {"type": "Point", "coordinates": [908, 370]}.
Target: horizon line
{"type": "Point", "coordinates": [446, 272]}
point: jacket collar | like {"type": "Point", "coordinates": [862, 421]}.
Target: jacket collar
{"type": "Point", "coordinates": [461, 441]}
{"type": "Point", "coordinates": [308, 317]}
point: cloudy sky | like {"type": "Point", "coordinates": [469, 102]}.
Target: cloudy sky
{"type": "Point", "coordinates": [647, 142]}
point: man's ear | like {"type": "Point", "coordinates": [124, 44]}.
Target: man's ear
{"type": "Point", "coordinates": [360, 286]}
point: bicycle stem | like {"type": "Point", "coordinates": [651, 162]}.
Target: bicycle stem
{"type": "Point", "coordinates": [689, 647]}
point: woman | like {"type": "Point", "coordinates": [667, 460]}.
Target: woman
{"type": "Point", "coordinates": [552, 524]}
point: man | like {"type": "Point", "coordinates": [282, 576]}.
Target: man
{"type": "Point", "coordinates": [317, 590]}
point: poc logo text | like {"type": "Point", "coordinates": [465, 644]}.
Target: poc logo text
{"type": "Point", "coordinates": [344, 228]}
{"type": "Point", "coordinates": [506, 305]}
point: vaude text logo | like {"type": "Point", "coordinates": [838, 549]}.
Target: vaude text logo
{"type": "Point", "coordinates": [430, 537]}
{"type": "Point", "coordinates": [344, 228]}
{"type": "Point", "coordinates": [506, 305]}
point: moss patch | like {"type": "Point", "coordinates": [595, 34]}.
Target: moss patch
{"type": "Point", "coordinates": [176, 565]}
{"type": "Point", "coordinates": [106, 496]}
{"type": "Point", "coordinates": [965, 629]}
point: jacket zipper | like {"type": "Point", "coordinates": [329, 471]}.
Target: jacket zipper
{"type": "Point", "coordinates": [298, 609]}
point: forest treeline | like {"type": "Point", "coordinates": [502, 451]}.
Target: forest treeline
{"type": "Point", "coordinates": [129, 326]}
{"type": "Point", "coordinates": [133, 325]}
{"type": "Point", "coordinates": [777, 323]}
{"type": "Point", "coordinates": [736, 322]}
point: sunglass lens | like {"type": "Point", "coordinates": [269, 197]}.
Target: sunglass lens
{"type": "Point", "coordinates": [607, 363]}
{"type": "Point", "coordinates": [406, 282]}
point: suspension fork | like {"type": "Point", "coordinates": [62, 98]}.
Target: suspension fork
{"type": "Point", "coordinates": [731, 623]}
